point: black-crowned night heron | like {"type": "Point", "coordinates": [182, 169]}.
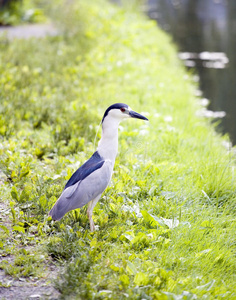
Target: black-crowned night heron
{"type": "Point", "coordinates": [87, 184]}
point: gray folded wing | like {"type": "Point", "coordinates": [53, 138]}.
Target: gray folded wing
{"type": "Point", "coordinates": [83, 191]}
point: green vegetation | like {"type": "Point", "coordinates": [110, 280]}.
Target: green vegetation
{"type": "Point", "coordinates": [13, 12]}
{"type": "Point", "coordinates": [167, 221]}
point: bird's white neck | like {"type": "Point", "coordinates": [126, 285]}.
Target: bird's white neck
{"type": "Point", "coordinates": [108, 144]}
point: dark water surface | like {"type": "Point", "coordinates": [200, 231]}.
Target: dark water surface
{"type": "Point", "coordinates": [205, 32]}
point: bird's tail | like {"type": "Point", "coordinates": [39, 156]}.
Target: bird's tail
{"type": "Point", "coordinates": [60, 208]}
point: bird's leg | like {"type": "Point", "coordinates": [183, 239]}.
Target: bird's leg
{"type": "Point", "coordinates": [90, 216]}
{"type": "Point", "coordinates": [91, 206]}
{"type": "Point", "coordinates": [92, 226]}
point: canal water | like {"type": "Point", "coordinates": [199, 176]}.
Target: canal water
{"type": "Point", "coordinates": [205, 33]}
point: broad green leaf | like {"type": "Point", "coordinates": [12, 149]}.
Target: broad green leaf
{"type": "Point", "coordinates": [114, 268]}
{"type": "Point", "coordinates": [4, 228]}
{"type": "Point", "coordinates": [141, 279]}
{"type": "Point", "coordinates": [14, 193]}
{"type": "Point", "coordinates": [130, 268]}
{"type": "Point", "coordinates": [124, 279]}
{"type": "Point", "coordinates": [18, 228]}
{"type": "Point", "coordinates": [149, 218]}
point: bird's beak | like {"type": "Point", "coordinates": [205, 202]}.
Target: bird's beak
{"type": "Point", "coordinates": [136, 115]}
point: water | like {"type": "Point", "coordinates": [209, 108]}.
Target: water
{"type": "Point", "coordinates": [205, 32]}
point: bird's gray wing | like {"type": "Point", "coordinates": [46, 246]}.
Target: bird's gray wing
{"type": "Point", "coordinates": [83, 191]}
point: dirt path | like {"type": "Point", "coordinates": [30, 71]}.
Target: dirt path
{"type": "Point", "coordinates": [28, 288]}
{"type": "Point", "coordinates": [27, 31]}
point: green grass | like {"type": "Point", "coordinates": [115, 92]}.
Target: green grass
{"type": "Point", "coordinates": [167, 221]}
{"type": "Point", "coordinates": [16, 12]}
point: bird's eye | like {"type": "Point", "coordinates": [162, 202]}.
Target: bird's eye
{"type": "Point", "coordinates": [122, 109]}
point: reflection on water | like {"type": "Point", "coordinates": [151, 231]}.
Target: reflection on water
{"type": "Point", "coordinates": [205, 31]}
{"type": "Point", "coordinates": [215, 60]}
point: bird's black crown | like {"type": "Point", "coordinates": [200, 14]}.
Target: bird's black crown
{"type": "Point", "coordinates": [114, 106]}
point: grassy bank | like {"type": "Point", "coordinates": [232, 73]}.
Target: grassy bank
{"type": "Point", "coordinates": [167, 221]}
